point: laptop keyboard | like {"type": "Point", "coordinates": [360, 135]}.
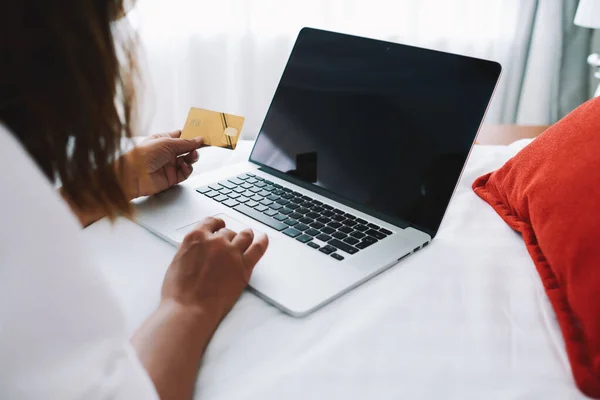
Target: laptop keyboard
{"type": "Point", "coordinates": [309, 221]}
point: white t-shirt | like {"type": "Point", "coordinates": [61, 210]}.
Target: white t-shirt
{"type": "Point", "coordinates": [62, 334]}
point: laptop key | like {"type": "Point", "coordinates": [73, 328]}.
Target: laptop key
{"type": "Point", "coordinates": [337, 256]}
{"type": "Point", "coordinates": [327, 249]}
{"type": "Point", "coordinates": [318, 209]}
{"type": "Point", "coordinates": [261, 208]}
{"type": "Point", "coordinates": [375, 234]}
{"type": "Point", "coordinates": [323, 220]}
{"type": "Point", "coordinates": [349, 216]}
{"type": "Point", "coordinates": [304, 238]}
{"type": "Point", "coordinates": [313, 245]}
{"type": "Point", "coordinates": [273, 197]}
{"type": "Point", "coordinates": [239, 189]}
{"type": "Point", "coordinates": [338, 217]}
{"type": "Point", "coordinates": [382, 230]}
{"type": "Point", "coordinates": [256, 197]}
{"type": "Point", "coordinates": [242, 208]}
{"type": "Point", "coordinates": [252, 180]}
{"type": "Point", "coordinates": [276, 206]}
{"type": "Point", "coordinates": [361, 221]}
{"type": "Point", "coordinates": [343, 246]}
{"type": "Point", "coordinates": [370, 239]}
{"type": "Point", "coordinates": [246, 185]}
{"type": "Point", "coordinates": [295, 215]}
{"type": "Point", "coordinates": [346, 229]}
{"type": "Point", "coordinates": [212, 194]}
{"type": "Point", "coordinates": [280, 217]}
{"type": "Point", "coordinates": [249, 174]}
{"type": "Point", "coordinates": [269, 188]}
{"type": "Point", "coordinates": [264, 193]}
{"type": "Point", "coordinates": [324, 238]}
{"type": "Point", "coordinates": [293, 206]}
{"type": "Point", "coordinates": [291, 232]}
{"type": "Point", "coordinates": [312, 232]}
{"type": "Point", "coordinates": [204, 189]}
{"type": "Point", "coordinates": [283, 202]}
{"type": "Point", "coordinates": [361, 228]}
{"type": "Point", "coordinates": [230, 203]}
{"type": "Point", "coordinates": [327, 206]}
{"type": "Point", "coordinates": [328, 230]}
{"type": "Point", "coordinates": [233, 195]}
{"type": "Point", "coordinates": [327, 214]}
{"type": "Point", "coordinates": [334, 224]}
{"type": "Point", "coordinates": [317, 225]}
{"type": "Point", "coordinates": [266, 202]}
{"type": "Point", "coordinates": [261, 185]}
{"type": "Point", "coordinates": [270, 213]}
{"type": "Point", "coordinates": [339, 235]}
{"type": "Point", "coordinates": [358, 235]}
{"type": "Point", "coordinates": [216, 186]}
{"type": "Point", "coordinates": [242, 199]}
{"type": "Point", "coordinates": [259, 178]}
{"type": "Point", "coordinates": [227, 184]}
{"type": "Point", "coordinates": [290, 222]}
{"type": "Point", "coordinates": [351, 240]}
{"type": "Point", "coordinates": [279, 192]}
{"type": "Point", "coordinates": [243, 177]}
{"type": "Point", "coordinates": [220, 198]}
{"type": "Point", "coordinates": [285, 211]}
{"type": "Point", "coordinates": [350, 222]}
{"type": "Point", "coordinates": [305, 220]}
{"type": "Point", "coordinates": [255, 189]}
{"type": "Point", "coordinates": [312, 215]}
{"type": "Point", "coordinates": [251, 203]}
{"type": "Point", "coordinates": [225, 191]}
{"type": "Point", "coordinates": [363, 245]}
{"type": "Point", "coordinates": [373, 226]}
{"type": "Point", "coordinates": [235, 181]}
{"type": "Point", "coordinates": [303, 210]}
{"type": "Point", "coordinates": [317, 202]}
{"type": "Point", "coordinates": [301, 227]}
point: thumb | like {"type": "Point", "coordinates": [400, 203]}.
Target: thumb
{"type": "Point", "coordinates": [183, 146]}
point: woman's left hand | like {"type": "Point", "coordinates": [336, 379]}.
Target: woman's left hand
{"type": "Point", "coordinates": [166, 160]}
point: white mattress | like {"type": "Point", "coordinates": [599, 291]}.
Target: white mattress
{"type": "Point", "coordinates": [466, 318]}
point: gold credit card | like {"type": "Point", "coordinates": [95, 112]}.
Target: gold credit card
{"type": "Point", "coordinates": [217, 129]}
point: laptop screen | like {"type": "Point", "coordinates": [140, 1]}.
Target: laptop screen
{"type": "Point", "coordinates": [383, 127]}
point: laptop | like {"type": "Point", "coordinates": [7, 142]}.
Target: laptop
{"type": "Point", "coordinates": [352, 171]}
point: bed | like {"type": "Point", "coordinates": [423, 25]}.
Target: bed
{"type": "Point", "coordinates": [466, 318]}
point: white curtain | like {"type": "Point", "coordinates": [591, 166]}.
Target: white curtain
{"type": "Point", "coordinates": [228, 55]}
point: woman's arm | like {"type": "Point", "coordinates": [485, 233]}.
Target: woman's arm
{"type": "Point", "coordinates": [170, 345]}
{"type": "Point", "coordinates": [208, 274]}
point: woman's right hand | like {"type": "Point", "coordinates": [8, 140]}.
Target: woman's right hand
{"type": "Point", "coordinates": [212, 268]}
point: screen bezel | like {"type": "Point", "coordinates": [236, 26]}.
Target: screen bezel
{"type": "Point", "coordinates": [403, 224]}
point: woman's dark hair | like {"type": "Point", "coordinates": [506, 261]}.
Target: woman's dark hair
{"type": "Point", "coordinates": [67, 75]}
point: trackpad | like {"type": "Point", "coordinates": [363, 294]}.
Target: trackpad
{"type": "Point", "coordinates": [230, 223]}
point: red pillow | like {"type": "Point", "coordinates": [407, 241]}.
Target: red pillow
{"type": "Point", "coordinates": [550, 193]}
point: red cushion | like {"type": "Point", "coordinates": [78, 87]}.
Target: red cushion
{"type": "Point", "coordinates": [550, 193]}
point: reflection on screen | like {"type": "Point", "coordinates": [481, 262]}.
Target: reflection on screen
{"type": "Point", "coordinates": [385, 126]}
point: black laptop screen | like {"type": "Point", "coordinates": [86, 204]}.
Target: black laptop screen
{"type": "Point", "coordinates": [386, 127]}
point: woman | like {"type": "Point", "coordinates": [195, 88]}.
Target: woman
{"type": "Point", "coordinates": [61, 332]}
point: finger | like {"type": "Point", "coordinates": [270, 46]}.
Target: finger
{"type": "Point", "coordinates": [182, 146]}
{"type": "Point", "coordinates": [211, 224]}
{"type": "Point", "coordinates": [184, 171]}
{"type": "Point", "coordinates": [243, 240]}
{"type": "Point", "coordinates": [191, 157]}
{"type": "Point", "coordinates": [174, 134]}
{"type": "Point", "coordinates": [226, 233]}
{"type": "Point", "coordinates": [256, 251]}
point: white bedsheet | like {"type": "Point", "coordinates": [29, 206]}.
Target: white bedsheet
{"type": "Point", "coordinates": [466, 318]}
